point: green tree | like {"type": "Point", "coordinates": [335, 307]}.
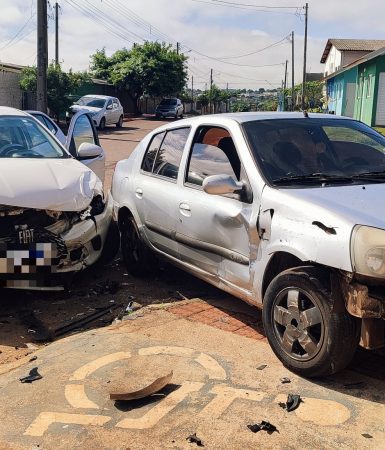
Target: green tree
{"type": "Point", "coordinates": [59, 85]}
{"type": "Point", "coordinates": [152, 68]}
{"type": "Point", "coordinates": [313, 95]}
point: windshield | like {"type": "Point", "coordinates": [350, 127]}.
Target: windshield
{"type": "Point", "coordinates": [168, 102]}
{"type": "Point", "coordinates": [291, 151]}
{"type": "Point", "coordinates": [23, 137]}
{"type": "Point", "coordinates": [91, 101]}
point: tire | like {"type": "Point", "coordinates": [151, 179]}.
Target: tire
{"type": "Point", "coordinates": [323, 347]}
{"type": "Point", "coordinates": [137, 257]}
{"type": "Point", "coordinates": [102, 124]}
{"type": "Point", "coordinates": [111, 244]}
{"type": "Point", "coordinates": [119, 124]}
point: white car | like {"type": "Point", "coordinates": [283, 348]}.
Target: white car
{"type": "Point", "coordinates": [283, 210]}
{"type": "Point", "coordinates": [54, 215]}
{"type": "Point", "coordinates": [50, 124]}
{"type": "Point", "coordinates": [104, 110]}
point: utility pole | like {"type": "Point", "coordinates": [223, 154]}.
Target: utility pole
{"type": "Point", "coordinates": [284, 86]}
{"type": "Point", "coordinates": [304, 58]}
{"type": "Point", "coordinates": [211, 89]}
{"type": "Point", "coordinates": [177, 48]}
{"type": "Point", "coordinates": [42, 56]}
{"type": "Point", "coordinates": [57, 33]}
{"type": "Point", "coordinates": [227, 97]}
{"type": "Point", "coordinates": [292, 70]}
{"type": "Point", "coordinates": [192, 92]}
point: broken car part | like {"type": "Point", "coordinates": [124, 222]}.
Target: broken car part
{"type": "Point", "coordinates": [194, 439]}
{"type": "Point", "coordinates": [33, 376]}
{"type": "Point", "coordinates": [120, 393]}
{"type": "Point", "coordinates": [265, 426]}
{"type": "Point", "coordinates": [285, 380]}
{"type": "Point", "coordinates": [292, 402]}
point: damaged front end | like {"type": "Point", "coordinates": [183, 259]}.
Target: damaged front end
{"type": "Point", "coordinates": [39, 247]}
{"type": "Point", "coordinates": [366, 302]}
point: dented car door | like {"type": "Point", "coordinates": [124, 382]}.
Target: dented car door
{"type": "Point", "coordinates": [213, 231]}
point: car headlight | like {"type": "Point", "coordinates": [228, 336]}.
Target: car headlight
{"type": "Point", "coordinates": [368, 251]}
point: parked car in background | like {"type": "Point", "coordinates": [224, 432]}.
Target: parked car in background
{"type": "Point", "coordinates": [169, 107]}
{"type": "Point", "coordinates": [50, 124]}
{"type": "Point", "coordinates": [104, 110]}
{"type": "Point", "coordinates": [283, 210]}
{"type": "Point", "coordinates": [54, 215]}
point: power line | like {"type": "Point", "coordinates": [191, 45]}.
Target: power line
{"type": "Point", "coordinates": [246, 8]}
{"type": "Point", "coordinates": [274, 44]}
{"type": "Point", "coordinates": [256, 6]}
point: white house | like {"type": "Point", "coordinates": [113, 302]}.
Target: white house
{"type": "Point", "coordinates": [341, 52]}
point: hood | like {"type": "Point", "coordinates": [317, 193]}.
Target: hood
{"type": "Point", "coordinates": [358, 204]}
{"type": "Point", "coordinates": [76, 108]}
{"type": "Point", "coordinates": [53, 184]}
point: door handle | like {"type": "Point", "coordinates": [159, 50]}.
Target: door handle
{"type": "Point", "coordinates": [139, 193]}
{"type": "Point", "coordinates": [184, 207]}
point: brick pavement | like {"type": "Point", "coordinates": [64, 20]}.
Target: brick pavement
{"type": "Point", "coordinates": [234, 322]}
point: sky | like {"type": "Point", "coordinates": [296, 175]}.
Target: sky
{"type": "Point", "coordinates": [228, 36]}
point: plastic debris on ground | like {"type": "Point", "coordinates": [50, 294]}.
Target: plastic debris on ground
{"type": "Point", "coordinates": [194, 439]}
{"type": "Point", "coordinates": [292, 402]}
{"type": "Point", "coordinates": [32, 376]}
{"type": "Point", "coordinates": [285, 380]}
{"type": "Point", "coordinates": [261, 367]}
{"type": "Point", "coordinates": [263, 426]}
{"type": "Point", "coordinates": [121, 392]}
{"type": "Point", "coordinates": [367, 435]}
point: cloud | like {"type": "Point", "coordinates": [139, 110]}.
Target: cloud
{"type": "Point", "coordinates": [209, 30]}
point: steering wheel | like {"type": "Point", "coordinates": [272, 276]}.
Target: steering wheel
{"type": "Point", "coordinates": [8, 147]}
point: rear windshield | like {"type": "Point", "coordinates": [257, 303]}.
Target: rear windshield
{"type": "Point", "coordinates": [299, 147]}
{"type": "Point", "coordinates": [23, 137]}
{"type": "Point", "coordinates": [168, 101]}
{"type": "Point", "coordinates": [89, 101]}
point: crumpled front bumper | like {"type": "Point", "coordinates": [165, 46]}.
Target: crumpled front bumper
{"type": "Point", "coordinates": [83, 242]}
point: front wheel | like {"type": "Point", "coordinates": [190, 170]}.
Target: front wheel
{"type": "Point", "coordinates": [305, 333]}
{"type": "Point", "coordinates": [119, 123]}
{"type": "Point", "coordinates": [137, 257]}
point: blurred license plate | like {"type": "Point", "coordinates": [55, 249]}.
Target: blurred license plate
{"type": "Point", "coordinates": [28, 259]}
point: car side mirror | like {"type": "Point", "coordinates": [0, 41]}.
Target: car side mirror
{"type": "Point", "coordinates": [109, 107]}
{"type": "Point", "coordinates": [88, 150]}
{"type": "Point", "coordinates": [221, 185]}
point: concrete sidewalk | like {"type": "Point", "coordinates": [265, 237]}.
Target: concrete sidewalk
{"type": "Point", "coordinates": [216, 392]}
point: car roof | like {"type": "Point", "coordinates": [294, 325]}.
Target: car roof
{"type": "Point", "coordinates": [7, 111]}
{"type": "Point", "coordinates": [228, 118]}
{"type": "Point", "coordinates": [243, 117]}
{"type": "Point", "coordinates": [103, 97]}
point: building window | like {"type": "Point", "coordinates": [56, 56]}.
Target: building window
{"type": "Point", "coordinates": [369, 86]}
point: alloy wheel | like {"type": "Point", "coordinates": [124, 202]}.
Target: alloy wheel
{"type": "Point", "coordinates": [298, 324]}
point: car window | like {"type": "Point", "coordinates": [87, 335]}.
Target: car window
{"type": "Point", "coordinates": [90, 101]}
{"type": "Point", "coordinates": [49, 125]}
{"type": "Point", "coordinates": [296, 147]}
{"type": "Point", "coordinates": [152, 150]}
{"type": "Point", "coordinates": [22, 137]}
{"type": "Point", "coordinates": [213, 153]}
{"type": "Point", "coordinates": [82, 132]}
{"type": "Point", "coordinates": [170, 153]}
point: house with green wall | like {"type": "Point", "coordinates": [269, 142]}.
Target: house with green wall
{"type": "Point", "coordinates": [358, 89]}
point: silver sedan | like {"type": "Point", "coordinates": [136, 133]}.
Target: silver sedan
{"type": "Point", "coordinates": [282, 210]}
